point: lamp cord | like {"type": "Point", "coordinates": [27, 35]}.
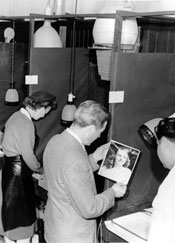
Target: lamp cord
{"type": "Point", "coordinates": [76, 5]}
{"type": "Point", "coordinates": [73, 54]}
{"type": "Point", "coordinates": [12, 59]}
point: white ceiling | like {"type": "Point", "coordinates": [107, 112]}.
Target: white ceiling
{"type": "Point", "coordinates": [25, 7]}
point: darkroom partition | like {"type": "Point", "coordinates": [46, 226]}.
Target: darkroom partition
{"type": "Point", "coordinates": [52, 65]}
{"type": "Point", "coordinates": [148, 82]}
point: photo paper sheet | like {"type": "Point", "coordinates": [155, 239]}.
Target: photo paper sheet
{"type": "Point", "coordinates": [119, 162]}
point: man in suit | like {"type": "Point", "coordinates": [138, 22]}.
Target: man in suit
{"type": "Point", "coordinates": [73, 203]}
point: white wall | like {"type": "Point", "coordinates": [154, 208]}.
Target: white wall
{"type": "Point", "coordinates": [25, 7]}
{"type": "Point", "coordinates": [95, 6]}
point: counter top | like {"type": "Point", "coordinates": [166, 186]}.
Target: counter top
{"type": "Point", "coordinates": [132, 227]}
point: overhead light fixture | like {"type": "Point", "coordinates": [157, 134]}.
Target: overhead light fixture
{"type": "Point", "coordinates": [103, 33]}
{"type": "Point", "coordinates": [46, 36]}
{"type": "Point", "coordinates": [69, 109]}
{"type": "Point", "coordinates": [9, 34]}
{"type": "Point", "coordinates": [11, 96]}
{"type": "Point", "coordinates": [103, 30]}
{"type": "Point", "coordinates": [147, 133]}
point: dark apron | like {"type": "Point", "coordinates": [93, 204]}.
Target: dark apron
{"type": "Point", "coordinates": [18, 198]}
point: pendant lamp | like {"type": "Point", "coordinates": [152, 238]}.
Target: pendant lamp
{"type": "Point", "coordinates": [46, 36]}
{"type": "Point", "coordinates": [11, 96]}
{"type": "Point", "coordinates": [69, 109]}
{"type": "Point", "coordinates": [103, 34]}
{"type": "Point", "coordinates": [103, 30]}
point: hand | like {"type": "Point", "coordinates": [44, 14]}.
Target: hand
{"type": "Point", "coordinates": [120, 189]}
{"type": "Point", "coordinates": [100, 152]}
{"type": "Point", "coordinates": [40, 171]}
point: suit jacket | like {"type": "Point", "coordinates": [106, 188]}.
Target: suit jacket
{"type": "Point", "coordinates": [73, 203]}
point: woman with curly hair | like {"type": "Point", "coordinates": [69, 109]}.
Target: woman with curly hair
{"type": "Point", "coordinates": [18, 204]}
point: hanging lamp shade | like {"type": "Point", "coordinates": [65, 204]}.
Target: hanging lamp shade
{"type": "Point", "coordinates": [103, 33]}
{"type": "Point", "coordinates": [11, 97]}
{"type": "Point", "coordinates": [47, 36]}
{"type": "Point", "coordinates": [68, 111]}
{"type": "Point", "coordinates": [103, 30]}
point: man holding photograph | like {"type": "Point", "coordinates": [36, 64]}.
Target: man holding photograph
{"type": "Point", "coordinates": [73, 203]}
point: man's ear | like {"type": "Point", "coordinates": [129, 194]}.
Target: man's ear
{"type": "Point", "coordinates": [90, 130]}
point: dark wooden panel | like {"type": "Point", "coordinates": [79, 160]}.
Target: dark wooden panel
{"type": "Point", "coordinates": [52, 65]}
{"type": "Point", "coordinates": [171, 42]}
{"type": "Point", "coordinates": [6, 77]}
{"type": "Point", "coordinates": [157, 35]}
{"type": "Point", "coordinates": [148, 82]}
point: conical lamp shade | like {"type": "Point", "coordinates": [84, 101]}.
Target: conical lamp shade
{"type": "Point", "coordinates": [68, 114]}
{"type": "Point", "coordinates": [47, 36]}
{"type": "Point", "coordinates": [11, 97]}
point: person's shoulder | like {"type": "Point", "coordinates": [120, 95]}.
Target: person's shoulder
{"type": "Point", "coordinates": [19, 120]}
{"type": "Point", "coordinates": [18, 115]}
{"type": "Point", "coordinates": [56, 140]}
{"type": "Point", "coordinates": [14, 115]}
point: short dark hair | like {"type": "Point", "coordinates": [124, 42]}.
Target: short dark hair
{"type": "Point", "coordinates": [90, 112]}
{"type": "Point", "coordinates": [166, 128]}
{"type": "Point", "coordinates": [40, 99]}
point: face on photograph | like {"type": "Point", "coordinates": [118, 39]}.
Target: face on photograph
{"type": "Point", "coordinates": [121, 157]}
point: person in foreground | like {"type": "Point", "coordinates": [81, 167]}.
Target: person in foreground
{"type": "Point", "coordinates": [163, 216]}
{"type": "Point", "coordinates": [73, 203]}
{"type": "Point", "coordinates": [18, 204]}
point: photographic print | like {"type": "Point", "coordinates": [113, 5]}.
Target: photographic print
{"type": "Point", "coordinates": [119, 162]}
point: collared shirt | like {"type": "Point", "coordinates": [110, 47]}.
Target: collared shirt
{"type": "Point", "coordinates": [76, 137]}
{"type": "Point", "coordinates": [25, 112]}
{"type": "Point", "coordinates": [163, 216]}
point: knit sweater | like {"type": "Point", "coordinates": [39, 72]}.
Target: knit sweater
{"type": "Point", "coordinates": [19, 138]}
